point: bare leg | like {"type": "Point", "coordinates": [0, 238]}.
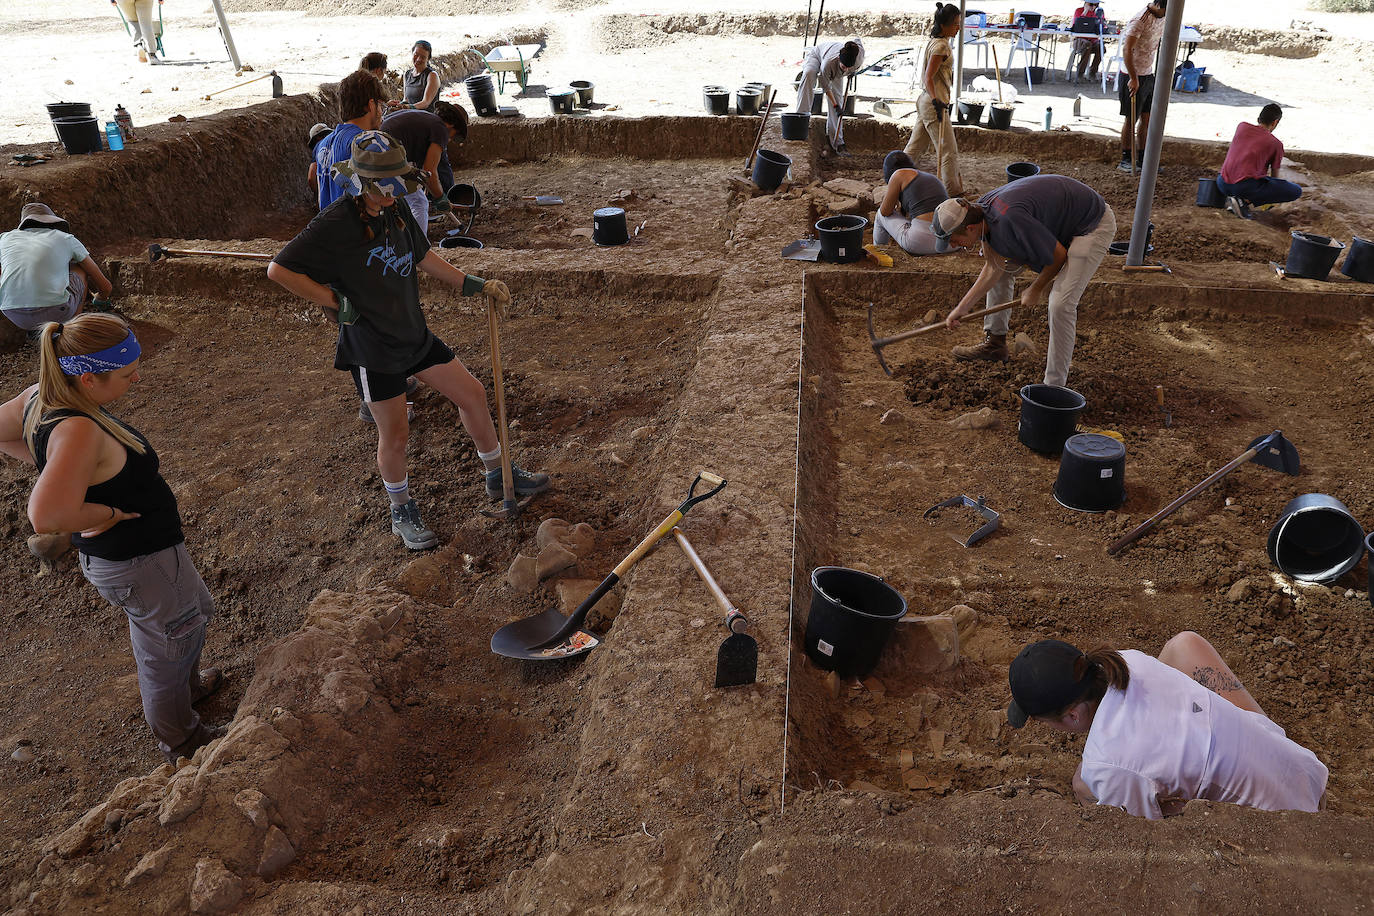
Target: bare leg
{"type": "Point", "coordinates": [1195, 657]}
{"type": "Point", "coordinates": [455, 382]}
{"type": "Point", "coordinates": [393, 431]}
{"type": "Point", "coordinates": [1141, 131]}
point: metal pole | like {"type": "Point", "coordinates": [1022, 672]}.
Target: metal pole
{"type": "Point", "coordinates": [958, 57]}
{"type": "Point", "coordinates": [224, 33]}
{"type": "Point", "coordinates": [1164, 83]}
{"type": "Point", "coordinates": [820, 14]}
{"type": "Point", "coordinates": [806, 32]}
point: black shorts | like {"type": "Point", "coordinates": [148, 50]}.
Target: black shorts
{"type": "Point", "coordinates": [383, 386]}
{"type": "Point", "coordinates": [1144, 96]}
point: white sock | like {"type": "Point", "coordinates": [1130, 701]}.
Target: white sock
{"type": "Point", "coordinates": [492, 459]}
{"type": "Point", "coordinates": [399, 493]}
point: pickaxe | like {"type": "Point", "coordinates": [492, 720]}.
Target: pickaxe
{"type": "Point", "coordinates": [880, 342]}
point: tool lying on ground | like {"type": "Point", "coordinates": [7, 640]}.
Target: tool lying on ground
{"type": "Point", "coordinates": [1279, 269]}
{"type": "Point", "coordinates": [802, 250]}
{"type": "Point", "coordinates": [543, 200]}
{"type": "Point", "coordinates": [156, 253]}
{"type": "Point", "coordinates": [255, 79]}
{"type": "Point", "coordinates": [737, 660]}
{"type": "Point", "coordinates": [880, 342]}
{"type": "Point", "coordinates": [763, 125]}
{"type": "Point", "coordinates": [1158, 268]}
{"type": "Point", "coordinates": [549, 636]}
{"type": "Point", "coordinates": [1159, 399]}
{"type": "Point", "coordinates": [1272, 451]}
{"type": "Point", "coordinates": [510, 506]}
{"type": "Point", "coordinates": [27, 159]}
{"type": "Point", "coordinates": [979, 505]}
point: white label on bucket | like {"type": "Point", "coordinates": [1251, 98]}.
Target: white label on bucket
{"type": "Point", "coordinates": [1106, 472]}
{"type": "Point", "coordinates": [841, 252]}
{"type": "Point", "coordinates": [824, 647]}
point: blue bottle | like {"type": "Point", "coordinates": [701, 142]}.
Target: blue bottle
{"type": "Point", "coordinates": [112, 135]}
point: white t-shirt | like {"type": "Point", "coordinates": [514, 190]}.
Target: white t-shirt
{"type": "Point", "coordinates": [1167, 736]}
{"type": "Point", "coordinates": [35, 266]}
{"type": "Point", "coordinates": [1147, 29]}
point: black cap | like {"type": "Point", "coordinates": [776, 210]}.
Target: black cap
{"type": "Point", "coordinates": [1042, 680]}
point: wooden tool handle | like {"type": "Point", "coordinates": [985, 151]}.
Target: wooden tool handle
{"type": "Point", "coordinates": [905, 335]}
{"type": "Point", "coordinates": [502, 433]}
{"type": "Point", "coordinates": [997, 71]}
{"type": "Point", "coordinates": [763, 125]}
{"type": "Point", "coordinates": [644, 546]}
{"type": "Point", "coordinates": [1159, 395]}
{"type": "Point", "coordinates": [250, 255]}
{"type": "Point", "coordinates": [712, 586]}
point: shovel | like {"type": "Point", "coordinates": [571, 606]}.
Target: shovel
{"type": "Point", "coordinates": [802, 250]}
{"type": "Point", "coordinates": [879, 342]}
{"type": "Point", "coordinates": [1272, 451]}
{"type": "Point", "coordinates": [548, 636]}
{"type": "Point", "coordinates": [737, 660]}
{"type": "Point", "coordinates": [156, 253]}
{"type": "Point", "coordinates": [543, 200]}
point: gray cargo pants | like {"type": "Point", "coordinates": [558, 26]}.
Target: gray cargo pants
{"type": "Point", "coordinates": [168, 607]}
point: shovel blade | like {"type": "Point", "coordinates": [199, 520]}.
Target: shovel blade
{"type": "Point", "coordinates": [737, 661]}
{"type": "Point", "coordinates": [519, 639]}
{"type": "Point", "coordinates": [1277, 453]}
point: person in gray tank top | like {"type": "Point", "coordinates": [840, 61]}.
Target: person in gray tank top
{"type": "Point", "coordinates": [420, 83]}
{"type": "Point", "coordinates": [905, 212]}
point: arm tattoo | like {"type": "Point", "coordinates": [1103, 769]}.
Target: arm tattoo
{"type": "Point", "coordinates": [1216, 680]}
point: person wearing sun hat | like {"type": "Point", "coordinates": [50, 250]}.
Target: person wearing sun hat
{"type": "Point", "coordinates": [45, 271]}
{"type": "Point", "coordinates": [1162, 731]}
{"type": "Point", "coordinates": [358, 260]}
{"type": "Point", "coordinates": [318, 134]}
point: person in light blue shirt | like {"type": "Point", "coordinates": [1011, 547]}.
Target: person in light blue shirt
{"type": "Point", "coordinates": [45, 271]}
{"type": "Point", "coordinates": [362, 103]}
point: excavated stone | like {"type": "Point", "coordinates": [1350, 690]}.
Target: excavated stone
{"type": "Point", "coordinates": [553, 559]}
{"type": "Point", "coordinates": [277, 853]}
{"type": "Point", "coordinates": [214, 889]}
{"type": "Point", "coordinates": [523, 574]}
{"type": "Point", "coordinates": [150, 866]}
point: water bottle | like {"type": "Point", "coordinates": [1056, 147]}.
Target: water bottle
{"type": "Point", "coordinates": [1049, 116]}
{"type": "Point", "coordinates": [1078, 106]}
{"type": "Point", "coordinates": [112, 135]}
{"type": "Point", "coordinates": [126, 123]}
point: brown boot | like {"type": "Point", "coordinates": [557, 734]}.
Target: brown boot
{"type": "Point", "coordinates": [993, 349]}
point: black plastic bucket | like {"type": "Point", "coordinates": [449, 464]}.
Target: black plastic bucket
{"type": "Point", "coordinates": [999, 117]}
{"type": "Point", "coordinates": [1204, 83]}
{"type": "Point", "coordinates": [747, 101]}
{"type": "Point", "coordinates": [1037, 75]}
{"type": "Point", "coordinates": [67, 110]}
{"type": "Point", "coordinates": [459, 241]}
{"type": "Point", "coordinates": [818, 103]}
{"type": "Point", "coordinates": [1316, 539]}
{"type": "Point", "coordinates": [482, 94]}
{"type": "Point", "coordinates": [1311, 255]}
{"type": "Point", "coordinates": [78, 134]}
{"type": "Point", "coordinates": [562, 100]}
{"type": "Point", "coordinates": [770, 169]}
{"type": "Point", "coordinates": [796, 125]}
{"type": "Point", "coordinates": [842, 238]}
{"type": "Point", "coordinates": [608, 226]}
{"type": "Point", "coordinates": [1092, 473]}
{"type": "Point", "coordinates": [1022, 170]}
{"type": "Point", "coordinates": [1369, 570]}
{"type": "Point", "coordinates": [716, 99]}
{"type": "Point", "coordinates": [1123, 247]}
{"type": "Point", "coordinates": [1209, 195]}
{"type": "Point", "coordinates": [1359, 263]}
{"type": "Point", "coordinates": [852, 616]}
{"type": "Point", "coordinates": [584, 90]}
{"type": "Point", "coordinates": [1049, 415]}
{"type": "Point", "coordinates": [765, 89]}
{"type": "Point", "coordinates": [970, 113]}
{"type": "Point", "coordinates": [464, 195]}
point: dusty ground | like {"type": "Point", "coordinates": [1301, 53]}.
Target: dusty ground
{"type": "Point", "coordinates": [412, 771]}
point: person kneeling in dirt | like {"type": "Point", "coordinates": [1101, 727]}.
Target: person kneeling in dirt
{"type": "Point", "coordinates": [1250, 175]}
{"type": "Point", "coordinates": [830, 65]}
{"type": "Point", "coordinates": [45, 272]}
{"type": "Point", "coordinates": [357, 260]}
{"type": "Point", "coordinates": [99, 476]}
{"type": "Point", "coordinates": [1163, 731]}
{"type": "Point", "coordinates": [1059, 227]}
{"type": "Point", "coordinates": [908, 206]}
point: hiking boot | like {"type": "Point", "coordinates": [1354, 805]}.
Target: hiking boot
{"type": "Point", "coordinates": [203, 735]}
{"type": "Point", "coordinates": [211, 680]}
{"type": "Point", "coordinates": [993, 349]}
{"type": "Point", "coordinates": [1125, 164]}
{"type": "Point", "coordinates": [1238, 207]}
{"type": "Point", "coordinates": [405, 521]}
{"type": "Point", "coordinates": [526, 484]}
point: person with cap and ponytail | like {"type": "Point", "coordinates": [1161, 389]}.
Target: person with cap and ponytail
{"type": "Point", "coordinates": [45, 271]}
{"type": "Point", "coordinates": [908, 206]}
{"type": "Point", "coordinates": [99, 477]}
{"type": "Point", "coordinates": [420, 84]}
{"type": "Point", "coordinates": [933, 107]}
{"type": "Point", "coordinates": [357, 260]}
{"type": "Point", "coordinates": [1163, 731]}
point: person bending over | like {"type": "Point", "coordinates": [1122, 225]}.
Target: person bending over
{"type": "Point", "coordinates": [358, 260]}
{"type": "Point", "coordinates": [1162, 731]}
{"type": "Point", "coordinates": [936, 127]}
{"type": "Point", "coordinates": [1250, 175]}
{"type": "Point", "coordinates": [830, 65]}
{"type": "Point", "coordinates": [100, 477]}
{"type": "Point", "coordinates": [908, 206]}
{"type": "Point", "coordinates": [426, 136]}
{"type": "Point", "coordinates": [1139, 48]}
{"type": "Point", "coordinates": [45, 272]}
{"type": "Point", "coordinates": [1057, 226]}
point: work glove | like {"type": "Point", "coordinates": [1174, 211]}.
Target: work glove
{"type": "Point", "coordinates": [497, 292]}
{"type": "Point", "coordinates": [101, 305]}
{"type": "Point", "coordinates": [441, 204]}
{"type": "Point", "coordinates": [939, 112]}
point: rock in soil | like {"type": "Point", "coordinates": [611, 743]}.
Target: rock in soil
{"type": "Point", "coordinates": [214, 889]}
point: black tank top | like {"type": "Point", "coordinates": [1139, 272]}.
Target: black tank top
{"type": "Point", "coordinates": [138, 487]}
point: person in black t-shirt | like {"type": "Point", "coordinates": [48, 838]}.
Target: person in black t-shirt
{"type": "Point", "coordinates": [98, 476]}
{"type": "Point", "coordinates": [357, 260]}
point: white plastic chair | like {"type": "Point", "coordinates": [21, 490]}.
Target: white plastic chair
{"type": "Point", "coordinates": [1115, 64]}
{"type": "Point", "coordinates": [979, 42]}
{"type": "Point", "coordinates": [1074, 52]}
{"type": "Point", "coordinates": [1028, 48]}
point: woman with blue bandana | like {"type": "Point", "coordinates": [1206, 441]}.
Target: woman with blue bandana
{"type": "Point", "coordinates": [360, 261]}
{"type": "Point", "coordinates": [99, 477]}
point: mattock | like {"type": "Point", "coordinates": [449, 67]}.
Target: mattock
{"type": "Point", "coordinates": [879, 342]}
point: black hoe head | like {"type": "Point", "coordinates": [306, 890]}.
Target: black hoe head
{"type": "Point", "coordinates": [737, 661]}
{"type": "Point", "coordinates": [873, 342]}
{"type": "Point", "coordinates": [522, 638]}
{"type": "Point", "coordinates": [1277, 453]}
{"type": "Point", "coordinates": [156, 253]}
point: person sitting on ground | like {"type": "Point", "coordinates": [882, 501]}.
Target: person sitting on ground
{"type": "Point", "coordinates": [933, 107]}
{"type": "Point", "coordinates": [374, 62]}
{"type": "Point", "coordinates": [358, 260]}
{"type": "Point", "coordinates": [318, 134]}
{"type": "Point", "coordinates": [830, 65]}
{"type": "Point", "coordinates": [1139, 48]}
{"type": "Point", "coordinates": [1056, 225]}
{"type": "Point", "coordinates": [45, 272]}
{"type": "Point", "coordinates": [139, 14]}
{"type": "Point", "coordinates": [1250, 175]}
{"type": "Point", "coordinates": [908, 206]}
{"type": "Point", "coordinates": [99, 476]}
{"type": "Point", "coordinates": [426, 136]}
{"type": "Point", "coordinates": [1090, 20]}
{"type": "Point", "coordinates": [420, 83]}
{"type": "Point", "coordinates": [1162, 731]}
{"type": "Point", "coordinates": [362, 103]}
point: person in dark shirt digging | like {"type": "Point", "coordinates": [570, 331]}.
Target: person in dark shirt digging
{"type": "Point", "coordinates": [357, 260]}
{"type": "Point", "coordinates": [1056, 226]}
{"type": "Point", "coordinates": [426, 136]}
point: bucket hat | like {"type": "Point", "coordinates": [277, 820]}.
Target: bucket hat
{"type": "Point", "coordinates": [317, 133]}
{"type": "Point", "coordinates": [377, 165]}
{"type": "Point", "coordinates": [39, 216]}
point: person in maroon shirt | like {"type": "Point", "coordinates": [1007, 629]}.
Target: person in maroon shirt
{"type": "Point", "coordinates": [1250, 175]}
